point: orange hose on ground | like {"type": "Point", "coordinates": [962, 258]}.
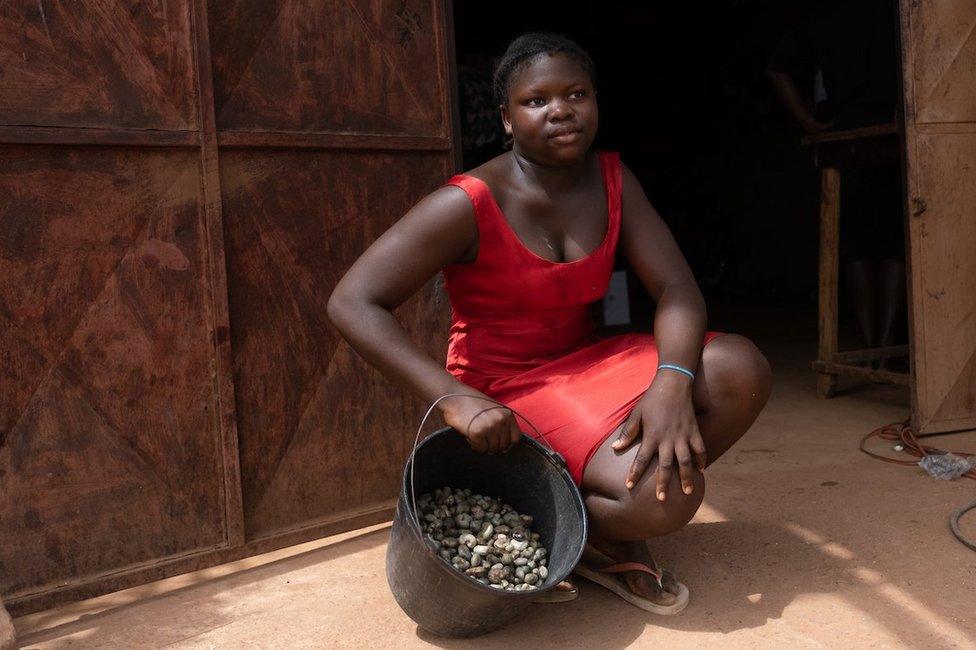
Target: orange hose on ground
{"type": "Point", "coordinates": [902, 432]}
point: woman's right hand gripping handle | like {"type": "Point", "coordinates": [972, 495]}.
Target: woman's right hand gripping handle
{"type": "Point", "coordinates": [489, 428]}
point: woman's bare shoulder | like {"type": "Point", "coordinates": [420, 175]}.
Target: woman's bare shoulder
{"type": "Point", "coordinates": [494, 173]}
{"type": "Point", "coordinates": [448, 210]}
{"type": "Point", "coordinates": [443, 221]}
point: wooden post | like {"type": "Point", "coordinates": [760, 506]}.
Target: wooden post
{"type": "Point", "coordinates": [829, 243]}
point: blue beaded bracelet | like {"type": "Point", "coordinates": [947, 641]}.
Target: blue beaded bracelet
{"type": "Point", "coordinates": [683, 371]}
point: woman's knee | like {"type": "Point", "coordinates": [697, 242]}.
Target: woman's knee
{"type": "Point", "coordinates": [735, 369]}
{"type": "Point", "coordinates": [646, 516]}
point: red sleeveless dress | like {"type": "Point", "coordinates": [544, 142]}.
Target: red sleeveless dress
{"type": "Point", "coordinates": [521, 330]}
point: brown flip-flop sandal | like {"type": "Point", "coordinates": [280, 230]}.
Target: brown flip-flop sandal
{"type": "Point", "coordinates": [564, 592]}
{"type": "Point", "coordinates": [608, 577]}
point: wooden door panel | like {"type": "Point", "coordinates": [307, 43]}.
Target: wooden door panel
{"type": "Point", "coordinates": [320, 432]}
{"type": "Point", "coordinates": [118, 417]}
{"type": "Point", "coordinates": [96, 63]}
{"type": "Point", "coordinates": [944, 45]}
{"type": "Point", "coordinates": [943, 244]}
{"type": "Point", "coordinates": [329, 66]}
{"type": "Point", "coordinates": [939, 60]}
{"type": "Point", "coordinates": [110, 455]}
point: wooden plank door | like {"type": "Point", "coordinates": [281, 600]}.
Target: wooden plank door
{"type": "Point", "coordinates": [333, 118]}
{"type": "Point", "coordinates": [181, 186]}
{"type": "Point", "coordinates": [939, 70]}
{"type": "Point", "coordinates": [118, 450]}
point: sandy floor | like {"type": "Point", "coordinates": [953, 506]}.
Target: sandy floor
{"type": "Point", "coordinates": [802, 542]}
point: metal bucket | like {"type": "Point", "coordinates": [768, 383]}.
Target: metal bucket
{"type": "Point", "coordinates": [531, 478]}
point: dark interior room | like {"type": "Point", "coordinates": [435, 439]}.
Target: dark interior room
{"type": "Point", "coordinates": [687, 103]}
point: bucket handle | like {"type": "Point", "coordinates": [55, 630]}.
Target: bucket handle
{"type": "Point", "coordinates": [553, 455]}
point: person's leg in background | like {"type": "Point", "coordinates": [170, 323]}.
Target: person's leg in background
{"type": "Point", "coordinates": [862, 284]}
{"type": "Point", "coordinates": [892, 296]}
{"type": "Point", "coordinates": [873, 251]}
{"type": "Point", "coordinates": [892, 287]}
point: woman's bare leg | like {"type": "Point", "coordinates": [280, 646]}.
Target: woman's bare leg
{"type": "Point", "coordinates": [732, 385]}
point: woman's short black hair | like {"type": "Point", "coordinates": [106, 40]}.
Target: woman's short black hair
{"type": "Point", "coordinates": [527, 47]}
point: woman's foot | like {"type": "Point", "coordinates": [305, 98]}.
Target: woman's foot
{"type": "Point", "coordinates": [603, 553]}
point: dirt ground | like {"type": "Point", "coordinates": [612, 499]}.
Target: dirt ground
{"type": "Point", "coordinates": [802, 542]}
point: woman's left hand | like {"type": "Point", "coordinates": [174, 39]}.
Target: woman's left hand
{"type": "Point", "coordinates": [664, 420]}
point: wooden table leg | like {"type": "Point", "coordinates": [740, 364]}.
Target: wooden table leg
{"type": "Point", "coordinates": [829, 272]}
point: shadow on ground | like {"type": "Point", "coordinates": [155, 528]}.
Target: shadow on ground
{"type": "Point", "coordinates": [598, 614]}
{"type": "Point", "coordinates": [750, 575]}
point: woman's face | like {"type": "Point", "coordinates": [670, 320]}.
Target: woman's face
{"type": "Point", "coordinates": [551, 112]}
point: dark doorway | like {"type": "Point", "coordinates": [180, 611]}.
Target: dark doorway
{"type": "Point", "coordinates": [684, 98]}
